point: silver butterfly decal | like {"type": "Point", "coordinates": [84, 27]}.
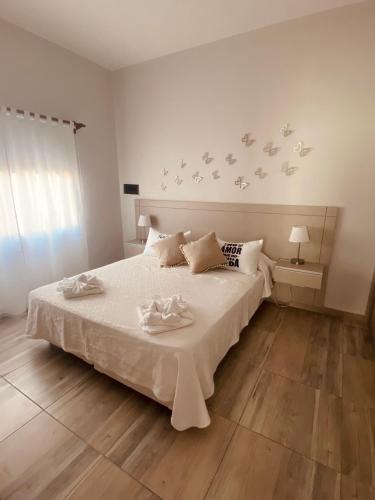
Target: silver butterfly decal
{"type": "Point", "coordinates": [178, 180]}
{"type": "Point", "coordinates": [182, 164]}
{"type": "Point", "coordinates": [164, 171]}
{"type": "Point", "coordinates": [207, 158]}
{"type": "Point", "coordinates": [197, 178]}
{"type": "Point", "coordinates": [241, 183]}
{"type": "Point", "coordinates": [246, 139]}
{"type": "Point", "coordinates": [230, 159]}
{"type": "Point", "coordinates": [260, 173]}
{"type": "Point", "coordinates": [286, 130]}
{"type": "Point", "coordinates": [271, 149]}
{"type": "Point", "coordinates": [215, 175]}
{"type": "Point", "coordinates": [301, 149]}
{"type": "Point", "coordinates": [163, 186]}
{"type": "Point", "coordinates": [287, 170]}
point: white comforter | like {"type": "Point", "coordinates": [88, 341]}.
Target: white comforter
{"type": "Point", "coordinates": [177, 367]}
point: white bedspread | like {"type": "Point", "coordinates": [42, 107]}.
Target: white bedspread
{"type": "Point", "coordinates": [176, 366]}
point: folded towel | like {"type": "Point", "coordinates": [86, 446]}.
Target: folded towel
{"type": "Point", "coordinates": [164, 314]}
{"type": "Point", "coordinates": [79, 286]}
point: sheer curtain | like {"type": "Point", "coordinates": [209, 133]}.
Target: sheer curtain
{"type": "Point", "coordinates": [42, 237]}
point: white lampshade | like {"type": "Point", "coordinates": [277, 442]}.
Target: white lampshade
{"type": "Point", "coordinates": [144, 221]}
{"type": "Point", "coordinates": [299, 234]}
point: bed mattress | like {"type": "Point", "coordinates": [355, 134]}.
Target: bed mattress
{"type": "Point", "coordinates": [176, 367]}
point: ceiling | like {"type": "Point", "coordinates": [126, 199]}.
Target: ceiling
{"type": "Point", "coordinates": [118, 33]}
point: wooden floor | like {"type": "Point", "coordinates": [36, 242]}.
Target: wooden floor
{"type": "Point", "coordinates": [293, 417]}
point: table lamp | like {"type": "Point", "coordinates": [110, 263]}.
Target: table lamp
{"type": "Point", "coordinates": [298, 234]}
{"type": "Point", "coordinates": [144, 221]}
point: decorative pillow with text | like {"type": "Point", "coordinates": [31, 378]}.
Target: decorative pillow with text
{"type": "Point", "coordinates": [242, 257]}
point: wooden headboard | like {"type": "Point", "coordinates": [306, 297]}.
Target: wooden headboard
{"type": "Point", "coordinates": [248, 221]}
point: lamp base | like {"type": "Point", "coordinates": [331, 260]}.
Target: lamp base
{"type": "Point", "coordinates": [297, 262]}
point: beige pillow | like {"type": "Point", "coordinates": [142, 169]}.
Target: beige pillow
{"type": "Point", "coordinates": [168, 250]}
{"type": "Point", "coordinates": [204, 254]}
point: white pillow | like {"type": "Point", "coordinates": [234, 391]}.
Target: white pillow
{"type": "Point", "coordinates": [154, 235]}
{"type": "Point", "coordinates": [242, 257]}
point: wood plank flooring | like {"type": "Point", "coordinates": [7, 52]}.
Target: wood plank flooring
{"type": "Point", "coordinates": [293, 418]}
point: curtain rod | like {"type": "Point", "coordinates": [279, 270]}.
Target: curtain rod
{"type": "Point", "coordinates": [77, 125]}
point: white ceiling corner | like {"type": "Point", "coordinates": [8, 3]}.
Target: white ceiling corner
{"type": "Point", "coordinates": [118, 33]}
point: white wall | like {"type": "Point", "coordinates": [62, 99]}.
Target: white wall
{"type": "Point", "coordinates": [39, 76]}
{"type": "Point", "coordinates": [317, 73]}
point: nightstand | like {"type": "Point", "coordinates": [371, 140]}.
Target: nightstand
{"type": "Point", "coordinates": [134, 247]}
{"type": "Point", "coordinates": [308, 275]}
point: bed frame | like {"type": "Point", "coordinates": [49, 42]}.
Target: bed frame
{"type": "Point", "coordinates": [248, 221]}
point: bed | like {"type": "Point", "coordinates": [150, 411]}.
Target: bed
{"type": "Point", "coordinates": [175, 368]}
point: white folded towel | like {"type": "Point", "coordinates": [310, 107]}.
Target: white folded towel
{"type": "Point", "coordinates": [79, 286]}
{"type": "Point", "coordinates": [164, 314]}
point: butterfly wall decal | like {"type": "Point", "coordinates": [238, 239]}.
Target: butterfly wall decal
{"type": "Point", "coordinates": [163, 186]}
{"type": "Point", "coordinates": [241, 183]}
{"type": "Point", "coordinates": [178, 180]}
{"type": "Point", "coordinates": [286, 130]}
{"type": "Point", "coordinates": [271, 149]}
{"type": "Point", "coordinates": [164, 171]}
{"type": "Point", "coordinates": [207, 158]}
{"type": "Point", "coordinates": [260, 173]}
{"type": "Point", "coordinates": [197, 178]}
{"type": "Point", "coordinates": [182, 164]}
{"type": "Point", "coordinates": [287, 170]}
{"type": "Point", "coordinates": [230, 159]}
{"type": "Point", "coordinates": [246, 139]}
{"type": "Point", "coordinates": [215, 175]}
{"type": "Point", "coordinates": [301, 149]}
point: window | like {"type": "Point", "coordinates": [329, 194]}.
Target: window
{"type": "Point", "coordinates": [42, 237]}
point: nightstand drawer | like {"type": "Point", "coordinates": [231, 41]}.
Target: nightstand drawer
{"type": "Point", "coordinates": [298, 278]}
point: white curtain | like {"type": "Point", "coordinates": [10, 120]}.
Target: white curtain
{"type": "Point", "coordinates": [42, 238]}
